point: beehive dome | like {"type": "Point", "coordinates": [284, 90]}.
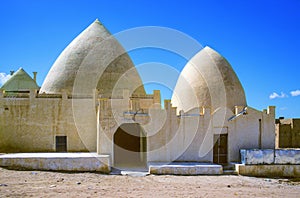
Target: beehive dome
{"type": "Point", "coordinates": [81, 53]}
{"type": "Point", "coordinates": [208, 80]}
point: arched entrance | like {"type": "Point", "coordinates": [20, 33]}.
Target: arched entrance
{"type": "Point", "coordinates": [130, 146]}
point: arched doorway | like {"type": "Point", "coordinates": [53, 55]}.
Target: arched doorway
{"type": "Point", "coordinates": [130, 146]}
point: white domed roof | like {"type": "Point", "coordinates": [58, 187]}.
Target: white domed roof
{"type": "Point", "coordinates": [84, 51]}
{"type": "Point", "coordinates": [208, 80]}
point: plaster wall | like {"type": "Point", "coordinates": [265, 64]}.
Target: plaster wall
{"type": "Point", "coordinates": [245, 132]}
{"type": "Point", "coordinates": [198, 133]}
{"type": "Point", "coordinates": [31, 124]}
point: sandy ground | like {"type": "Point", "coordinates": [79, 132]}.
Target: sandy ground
{"type": "Point", "coordinates": [53, 184]}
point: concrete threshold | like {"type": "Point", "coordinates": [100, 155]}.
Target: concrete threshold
{"type": "Point", "coordinates": [185, 168]}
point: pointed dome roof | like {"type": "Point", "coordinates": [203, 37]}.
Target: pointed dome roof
{"type": "Point", "coordinates": [19, 81]}
{"type": "Point", "coordinates": [208, 80]}
{"type": "Point", "coordinates": [79, 56]}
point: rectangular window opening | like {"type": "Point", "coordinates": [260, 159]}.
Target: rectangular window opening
{"type": "Point", "coordinates": [61, 143]}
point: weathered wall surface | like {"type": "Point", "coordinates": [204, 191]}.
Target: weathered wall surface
{"type": "Point", "coordinates": [197, 134]}
{"type": "Point", "coordinates": [288, 133]}
{"type": "Point", "coordinates": [270, 156]}
{"type": "Point", "coordinates": [112, 113]}
{"type": "Point", "coordinates": [189, 136]}
{"type": "Point", "coordinates": [246, 132]}
{"type": "Point", "coordinates": [270, 162]}
{"type": "Point", "coordinates": [31, 124]}
{"type": "Point", "coordinates": [269, 170]}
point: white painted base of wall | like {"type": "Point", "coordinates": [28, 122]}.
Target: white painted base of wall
{"type": "Point", "coordinates": [58, 161]}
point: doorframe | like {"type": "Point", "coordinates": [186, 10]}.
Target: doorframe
{"type": "Point", "coordinates": [218, 132]}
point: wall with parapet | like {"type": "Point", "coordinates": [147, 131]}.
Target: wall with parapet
{"type": "Point", "coordinates": [30, 124]}
{"type": "Point", "coordinates": [253, 129]}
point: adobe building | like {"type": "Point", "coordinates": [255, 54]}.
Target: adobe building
{"type": "Point", "coordinates": [287, 133]}
{"type": "Point", "coordinates": [93, 100]}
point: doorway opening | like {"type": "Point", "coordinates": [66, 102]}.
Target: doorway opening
{"type": "Point", "coordinates": [220, 150]}
{"type": "Point", "coordinates": [130, 146]}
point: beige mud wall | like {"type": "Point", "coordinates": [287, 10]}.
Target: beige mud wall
{"type": "Point", "coordinates": [31, 124]}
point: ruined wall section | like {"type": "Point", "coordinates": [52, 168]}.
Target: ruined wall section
{"type": "Point", "coordinates": [288, 133]}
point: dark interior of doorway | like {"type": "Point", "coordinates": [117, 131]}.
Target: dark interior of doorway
{"type": "Point", "coordinates": [130, 146]}
{"type": "Point", "coordinates": [220, 149]}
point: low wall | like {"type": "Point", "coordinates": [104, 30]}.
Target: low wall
{"type": "Point", "coordinates": [80, 162]}
{"type": "Point", "coordinates": [287, 156]}
{"type": "Point", "coordinates": [270, 156]}
{"type": "Point", "coordinates": [269, 162]}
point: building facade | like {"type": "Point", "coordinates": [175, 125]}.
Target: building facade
{"type": "Point", "coordinates": [93, 100]}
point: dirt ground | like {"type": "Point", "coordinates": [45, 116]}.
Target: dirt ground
{"type": "Point", "coordinates": [54, 184]}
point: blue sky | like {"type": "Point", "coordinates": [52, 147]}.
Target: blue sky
{"type": "Point", "coordinates": [259, 38]}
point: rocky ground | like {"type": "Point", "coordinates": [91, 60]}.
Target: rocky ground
{"type": "Point", "coordinates": [53, 184]}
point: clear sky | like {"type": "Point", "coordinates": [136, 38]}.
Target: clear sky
{"type": "Point", "coordinates": [259, 38]}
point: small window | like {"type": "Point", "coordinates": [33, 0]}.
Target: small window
{"type": "Point", "coordinates": [61, 143]}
